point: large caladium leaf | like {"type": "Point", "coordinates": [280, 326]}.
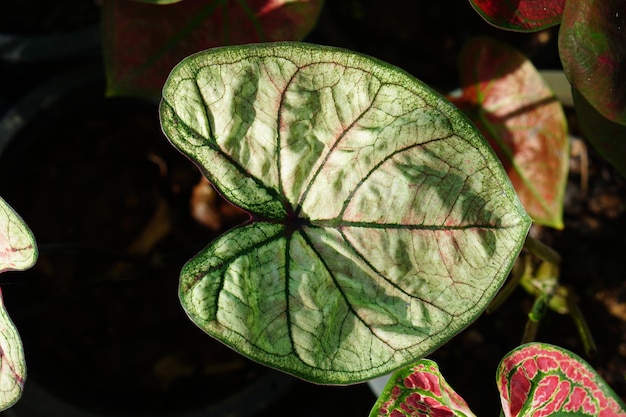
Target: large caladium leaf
{"type": "Point", "coordinates": [520, 15]}
{"type": "Point", "coordinates": [592, 47]}
{"type": "Point", "coordinates": [538, 379]}
{"type": "Point", "coordinates": [17, 252]}
{"type": "Point", "coordinates": [420, 391]}
{"type": "Point", "coordinates": [381, 222]}
{"type": "Point", "coordinates": [142, 42]}
{"type": "Point", "coordinates": [511, 104]}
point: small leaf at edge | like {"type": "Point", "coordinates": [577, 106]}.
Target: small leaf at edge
{"type": "Point", "coordinates": [542, 379]}
{"type": "Point", "coordinates": [17, 252]}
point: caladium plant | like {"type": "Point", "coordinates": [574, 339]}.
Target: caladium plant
{"type": "Point", "coordinates": [381, 223]}
{"type": "Point", "coordinates": [511, 104]}
{"type": "Point", "coordinates": [591, 39]}
{"type": "Point", "coordinates": [535, 379]}
{"type": "Point", "coordinates": [17, 252]}
{"type": "Point", "coordinates": [162, 34]}
{"type": "Point", "coordinates": [540, 379]}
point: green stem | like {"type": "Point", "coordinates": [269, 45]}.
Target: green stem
{"type": "Point", "coordinates": [530, 331]}
{"type": "Point", "coordinates": [534, 317]}
{"type": "Point", "coordinates": [542, 250]}
{"type": "Point", "coordinates": [581, 324]}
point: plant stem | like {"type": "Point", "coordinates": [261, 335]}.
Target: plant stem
{"type": "Point", "coordinates": [542, 250]}
{"type": "Point", "coordinates": [581, 324]}
{"type": "Point", "coordinates": [534, 317]}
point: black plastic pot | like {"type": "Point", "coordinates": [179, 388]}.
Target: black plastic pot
{"type": "Point", "coordinates": [90, 312]}
{"type": "Point", "coordinates": [39, 32]}
{"type": "Point", "coordinates": [18, 48]}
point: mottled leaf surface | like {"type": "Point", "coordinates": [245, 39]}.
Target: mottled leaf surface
{"type": "Point", "coordinates": [17, 252]}
{"type": "Point", "coordinates": [520, 15]}
{"type": "Point", "coordinates": [510, 103]}
{"type": "Point", "coordinates": [420, 391]}
{"type": "Point", "coordinates": [539, 379]}
{"type": "Point", "coordinates": [592, 45]}
{"type": "Point", "coordinates": [381, 222]}
{"type": "Point", "coordinates": [142, 42]}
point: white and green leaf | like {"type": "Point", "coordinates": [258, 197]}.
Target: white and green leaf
{"type": "Point", "coordinates": [17, 252]}
{"type": "Point", "coordinates": [381, 222]}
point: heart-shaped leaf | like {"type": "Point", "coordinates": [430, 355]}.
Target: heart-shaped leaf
{"type": "Point", "coordinates": [505, 96]}
{"type": "Point", "coordinates": [591, 44]}
{"type": "Point", "coordinates": [381, 225]}
{"type": "Point", "coordinates": [520, 15]}
{"type": "Point", "coordinates": [420, 391]}
{"type": "Point", "coordinates": [142, 42]}
{"type": "Point", "coordinates": [539, 379]}
{"type": "Point", "coordinates": [17, 252]}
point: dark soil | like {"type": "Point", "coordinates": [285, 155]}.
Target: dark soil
{"type": "Point", "coordinates": [97, 174]}
{"type": "Point", "coordinates": [108, 200]}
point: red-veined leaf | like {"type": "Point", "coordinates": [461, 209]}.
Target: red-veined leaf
{"type": "Point", "coordinates": [143, 42]}
{"type": "Point", "coordinates": [539, 379]}
{"type": "Point", "coordinates": [381, 222]}
{"type": "Point", "coordinates": [17, 252]}
{"type": "Point", "coordinates": [505, 96]}
{"type": "Point", "coordinates": [419, 391]}
{"type": "Point", "coordinates": [592, 45]}
{"type": "Point", "coordinates": [520, 15]}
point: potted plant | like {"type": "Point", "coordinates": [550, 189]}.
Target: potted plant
{"type": "Point", "coordinates": [381, 222]}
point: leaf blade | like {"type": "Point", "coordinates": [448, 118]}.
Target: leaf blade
{"type": "Point", "coordinates": [419, 390]}
{"type": "Point", "coordinates": [17, 252]}
{"type": "Point", "coordinates": [591, 46]}
{"type": "Point", "coordinates": [331, 178]}
{"type": "Point", "coordinates": [546, 379]}
{"type": "Point", "coordinates": [161, 35]}
{"type": "Point", "coordinates": [514, 108]}
{"type": "Point", "coordinates": [522, 16]}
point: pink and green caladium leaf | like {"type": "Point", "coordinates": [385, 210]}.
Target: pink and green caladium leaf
{"type": "Point", "coordinates": [17, 252]}
{"type": "Point", "coordinates": [419, 391]}
{"type": "Point", "coordinates": [539, 379]}
{"type": "Point", "coordinates": [592, 46]}
{"type": "Point", "coordinates": [143, 42]}
{"type": "Point", "coordinates": [520, 15]}
{"type": "Point", "coordinates": [381, 222]}
{"type": "Point", "coordinates": [511, 104]}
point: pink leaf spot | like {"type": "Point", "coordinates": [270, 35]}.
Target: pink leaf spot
{"type": "Point", "coordinates": [531, 367]}
{"type": "Point", "coordinates": [558, 398]}
{"type": "Point", "coordinates": [576, 400]}
{"type": "Point", "coordinates": [546, 364]}
{"type": "Point", "coordinates": [518, 391]}
{"type": "Point", "coordinates": [424, 381]}
{"type": "Point", "coordinates": [545, 389]}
